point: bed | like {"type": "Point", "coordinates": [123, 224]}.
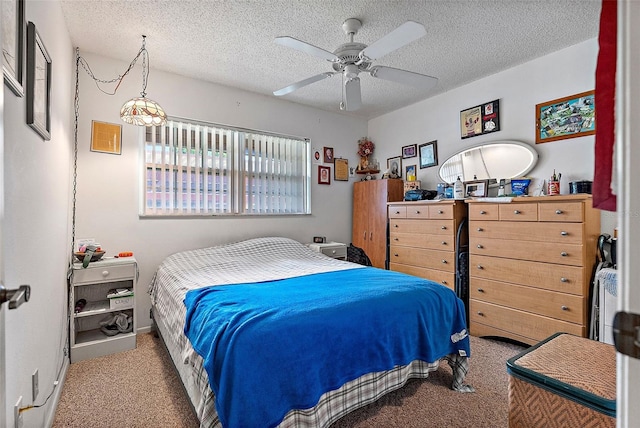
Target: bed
{"type": "Point", "coordinates": [266, 332]}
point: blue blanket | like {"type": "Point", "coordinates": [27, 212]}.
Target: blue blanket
{"type": "Point", "coordinates": [270, 347]}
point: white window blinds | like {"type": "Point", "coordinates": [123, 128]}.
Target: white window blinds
{"type": "Point", "coordinates": [202, 169]}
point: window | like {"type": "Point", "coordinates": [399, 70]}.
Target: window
{"type": "Point", "coordinates": [200, 169]}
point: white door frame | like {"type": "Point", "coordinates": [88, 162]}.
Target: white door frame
{"type": "Point", "coordinates": [628, 156]}
{"type": "Point", "coordinates": [3, 377]}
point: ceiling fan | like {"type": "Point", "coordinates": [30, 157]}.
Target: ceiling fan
{"type": "Point", "coordinates": [352, 58]}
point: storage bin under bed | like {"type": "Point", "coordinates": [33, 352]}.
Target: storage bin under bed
{"type": "Point", "coordinates": [563, 381]}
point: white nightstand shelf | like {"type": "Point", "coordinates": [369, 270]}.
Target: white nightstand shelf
{"type": "Point", "coordinates": [335, 250]}
{"type": "Point", "coordinates": [93, 284]}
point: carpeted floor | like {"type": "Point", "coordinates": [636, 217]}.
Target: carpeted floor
{"type": "Point", "coordinates": [140, 388]}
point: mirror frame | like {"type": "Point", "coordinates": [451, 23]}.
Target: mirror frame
{"type": "Point", "coordinates": [529, 147]}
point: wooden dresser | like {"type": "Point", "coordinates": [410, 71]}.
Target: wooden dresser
{"type": "Point", "coordinates": [530, 266]}
{"type": "Point", "coordinates": [422, 238]}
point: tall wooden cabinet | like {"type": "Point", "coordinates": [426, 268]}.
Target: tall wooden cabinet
{"type": "Point", "coordinates": [370, 215]}
{"type": "Point", "coordinates": [422, 238]}
{"type": "Point", "coordinates": [530, 266]}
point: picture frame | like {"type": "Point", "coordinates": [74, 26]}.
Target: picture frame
{"type": "Point", "coordinates": [106, 137]}
{"type": "Point", "coordinates": [38, 88]}
{"type": "Point", "coordinates": [12, 15]}
{"type": "Point", "coordinates": [316, 156]}
{"type": "Point", "coordinates": [476, 188]}
{"type": "Point", "coordinates": [394, 166]}
{"type": "Point", "coordinates": [324, 174]}
{"type": "Point", "coordinates": [410, 171]}
{"type": "Point", "coordinates": [428, 154]}
{"type": "Point", "coordinates": [567, 117]}
{"type": "Point", "coordinates": [479, 120]}
{"type": "Point", "coordinates": [327, 152]}
{"type": "Point", "coordinates": [409, 151]}
{"type": "Point", "coordinates": [341, 169]}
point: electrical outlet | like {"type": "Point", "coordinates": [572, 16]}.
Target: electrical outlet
{"type": "Point", "coordinates": [34, 385]}
{"type": "Point", "coordinates": [17, 416]}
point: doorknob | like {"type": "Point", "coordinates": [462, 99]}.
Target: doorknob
{"type": "Point", "coordinates": [626, 333]}
{"type": "Point", "coordinates": [15, 297]}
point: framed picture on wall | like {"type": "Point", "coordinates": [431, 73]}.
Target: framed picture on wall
{"type": "Point", "coordinates": [12, 14]}
{"type": "Point", "coordinates": [324, 174]}
{"type": "Point", "coordinates": [568, 117]}
{"type": "Point", "coordinates": [409, 151]}
{"type": "Point", "coordinates": [428, 154]}
{"type": "Point", "coordinates": [394, 165]}
{"type": "Point", "coordinates": [341, 169]}
{"type": "Point", "coordinates": [106, 137]}
{"type": "Point", "coordinates": [38, 84]}
{"type": "Point", "coordinates": [480, 120]}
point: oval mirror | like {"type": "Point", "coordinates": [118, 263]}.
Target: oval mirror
{"type": "Point", "coordinates": [495, 159]}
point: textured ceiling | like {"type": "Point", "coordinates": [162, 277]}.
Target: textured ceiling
{"type": "Point", "coordinates": [232, 42]}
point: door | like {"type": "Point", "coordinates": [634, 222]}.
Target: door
{"type": "Point", "coordinates": [627, 156]}
{"type": "Point", "coordinates": [3, 416]}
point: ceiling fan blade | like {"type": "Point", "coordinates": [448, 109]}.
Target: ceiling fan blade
{"type": "Point", "coordinates": [290, 42]}
{"type": "Point", "coordinates": [405, 77]}
{"type": "Point", "coordinates": [403, 35]}
{"type": "Point", "coordinates": [353, 97]}
{"type": "Point", "coordinates": [302, 83]}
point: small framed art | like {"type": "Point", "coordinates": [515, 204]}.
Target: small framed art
{"type": "Point", "coordinates": [328, 154]}
{"type": "Point", "coordinates": [38, 84]}
{"type": "Point", "coordinates": [428, 154]}
{"type": "Point", "coordinates": [12, 13]}
{"type": "Point", "coordinates": [409, 151]}
{"type": "Point", "coordinates": [324, 174]}
{"type": "Point", "coordinates": [106, 137]}
{"type": "Point", "coordinates": [568, 117]}
{"type": "Point", "coordinates": [394, 165]}
{"type": "Point", "coordinates": [410, 172]}
{"type": "Point", "coordinates": [480, 120]}
{"type": "Point", "coordinates": [341, 169]}
{"type": "Point", "coordinates": [476, 188]}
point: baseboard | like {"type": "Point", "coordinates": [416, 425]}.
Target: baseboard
{"type": "Point", "coordinates": [51, 410]}
{"type": "Point", "coordinates": [146, 329]}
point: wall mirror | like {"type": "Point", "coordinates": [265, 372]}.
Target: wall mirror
{"type": "Point", "coordinates": [494, 159]}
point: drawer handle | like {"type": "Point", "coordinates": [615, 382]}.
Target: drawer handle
{"type": "Point", "coordinates": [371, 236]}
{"type": "Point", "coordinates": [444, 282]}
{"type": "Point", "coordinates": [480, 267]}
{"type": "Point", "coordinates": [444, 242]}
{"type": "Point", "coordinates": [105, 273]}
{"type": "Point", "coordinates": [396, 254]}
{"type": "Point", "coordinates": [395, 225]}
{"type": "Point", "coordinates": [564, 308]}
{"type": "Point", "coordinates": [440, 212]}
{"type": "Point", "coordinates": [516, 211]}
{"type": "Point", "coordinates": [395, 239]}
{"type": "Point", "coordinates": [444, 228]}
{"type": "Point", "coordinates": [444, 261]}
{"type": "Point", "coordinates": [563, 279]}
{"type": "Point", "coordinates": [563, 233]}
{"type": "Point", "coordinates": [558, 211]}
{"type": "Point", "coordinates": [480, 246]}
{"type": "Point", "coordinates": [365, 234]}
{"type": "Point", "coordinates": [417, 211]}
{"type": "Point", "coordinates": [483, 212]}
{"type": "Point", "coordinates": [333, 251]}
{"type": "Point", "coordinates": [480, 229]}
{"type": "Point", "coordinates": [564, 254]}
{"type": "Point", "coordinates": [480, 313]}
{"type": "Point", "coordinates": [397, 212]}
{"type": "Point", "coordinates": [480, 290]}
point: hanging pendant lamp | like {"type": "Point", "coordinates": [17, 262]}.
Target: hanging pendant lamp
{"type": "Point", "coordinates": [141, 110]}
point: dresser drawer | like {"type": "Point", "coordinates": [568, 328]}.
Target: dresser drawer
{"type": "Point", "coordinates": [483, 211]}
{"type": "Point", "coordinates": [94, 274]}
{"type": "Point", "coordinates": [562, 278]}
{"type": "Point", "coordinates": [441, 260]}
{"type": "Point", "coordinates": [562, 306]}
{"type": "Point", "coordinates": [397, 211]}
{"type": "Point", "coordinates": [536, 327]}
{"type": "Point", "coordinates": [518, 212]}
{"type": "Point", "coordinates": [434, 242]}
{"type": "Point", "coordinates": [561, 211]}
{"type": "Point", "coordinates": [440, 211]}
{"type": "Point", "coordinates": [565, 254]}
{"type": "Point", "coordinates": [441, 277]}
{"type": "Point", "coordinates": [565, 233]}
{"type": "Point", "coordinates": [439, 227]}
{"type": "Point", "coordinates": [418, 211]}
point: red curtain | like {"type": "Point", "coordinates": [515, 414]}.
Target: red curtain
{"type": "Point", "coordinates": [605, 92]}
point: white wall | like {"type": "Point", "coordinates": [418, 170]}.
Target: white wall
{"type": "Point", "coordinates": [36, 241]}
{"type": "Point", "coordinates": [519, 89]}
{"type": "Point", "coordinates": [108, 189]}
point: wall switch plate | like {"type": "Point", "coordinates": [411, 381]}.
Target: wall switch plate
{"type": "Point", "coordinates": [34, 385]}
{"type": "Point", "coordinates": [17, 416]}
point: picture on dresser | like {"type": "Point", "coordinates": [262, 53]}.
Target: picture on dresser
{"type": "Point", "coordinates": [476, 188]}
